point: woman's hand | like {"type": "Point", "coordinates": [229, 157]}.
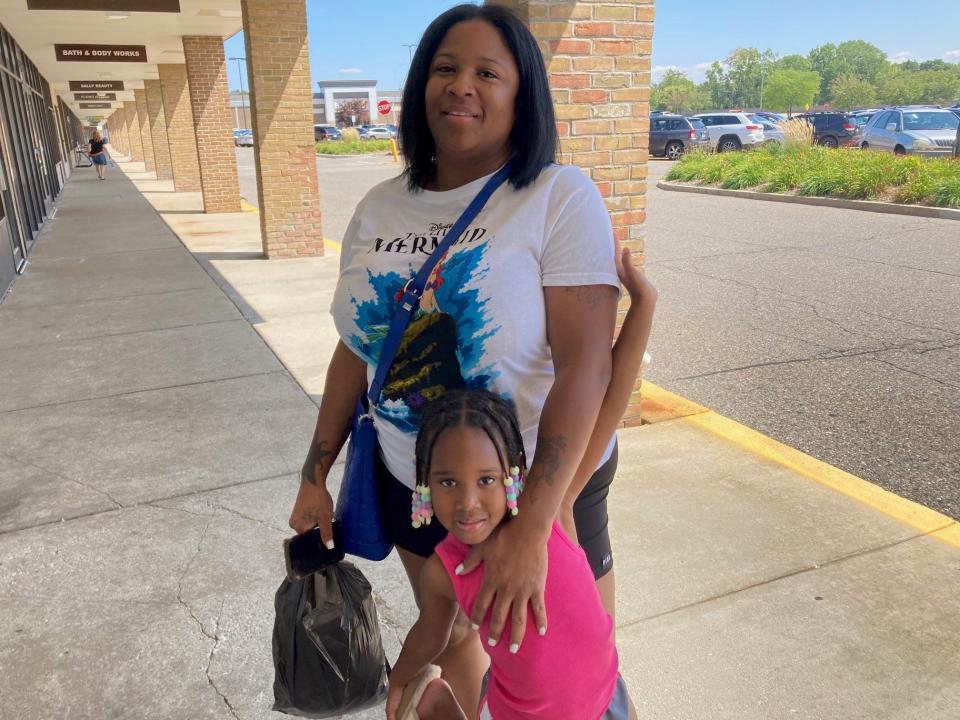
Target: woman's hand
{"type": "Point", "coordinates": [314, 505]}
{"type": "Point", "coordinates": [636, 283]}
{"type": "Point", "coordinates": [515, 574]}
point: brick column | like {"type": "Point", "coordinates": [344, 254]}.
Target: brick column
{"type": "Point", "coordinates": [158, 130]}
{"type": "Point", "coordinates": [133, 131]}
{"type": "Point", "coordinates": [121, 117]}
{"type": "Point", "coordinates": [210, 103]}
{"type": "Point", "coordinates": [598, 60]}
{"type": "Point", "coordinates": [180, 132]}
{"type": "Point", "coordinates": [278, 62]}
{"type": "Point", "coordinates": [146, 137]}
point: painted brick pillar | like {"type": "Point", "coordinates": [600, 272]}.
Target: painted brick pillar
{"type": "Point", "coordinates": [213, 122]}
{"type": "Point", "coordinates": [133, 131]}
{"type": "Point", "coordinates": [158, 130]}
{"type": "Point", "coordinates": [146, 137]}
{"type": "Point", "coordinates": [278, 64]}
{"type": "Point", "coordinates": [180, 132]}
{"type": "Point", "coordinates": [598, 60]}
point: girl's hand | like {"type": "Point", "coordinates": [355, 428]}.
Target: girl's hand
{"type": "Point", "coordinates": [515, 574]}
{"type": "Point", "coordinates": [636, 283]}
{"type": "Point", "coordinates": [394, 695]}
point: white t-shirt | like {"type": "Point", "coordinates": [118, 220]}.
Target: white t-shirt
{"type": "Point", "coordinates": [482, 320]}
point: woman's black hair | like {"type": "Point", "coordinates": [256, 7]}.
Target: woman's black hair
{"type": "Point", "coordinates": [534, 135]}
{"type": "Point", "coordinates": [471, 408]}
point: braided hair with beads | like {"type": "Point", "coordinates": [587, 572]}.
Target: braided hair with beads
{"type": "Point", "coordinates": [479, 409]}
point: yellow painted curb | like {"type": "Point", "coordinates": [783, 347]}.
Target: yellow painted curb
{"type": "Point", "coordinates": [930, 522]}
{"type": "Point", "coordinates": [332, 244]}
{"type": "Point", "coordinates": [247, 207]}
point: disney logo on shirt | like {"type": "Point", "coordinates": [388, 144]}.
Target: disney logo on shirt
{"type": "Point", "coordinates": [425, 242]}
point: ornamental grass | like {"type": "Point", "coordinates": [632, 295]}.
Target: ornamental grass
{"type": "Point", "coordinates": [826, 172]}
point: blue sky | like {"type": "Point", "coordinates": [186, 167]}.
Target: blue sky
{"type": "Point", "coordinates": [367, 42]}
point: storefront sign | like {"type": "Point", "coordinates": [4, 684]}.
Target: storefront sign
{"type": "Point", "coordinates": [98, 85]}
{"type": "Point", "coordinates": [95, 106]}
{"type": "Point", "coordinates": [94, 96]}
{"type": "Point", "coordinates": [172, 6]}
{"type": "Point", "coordinates": [100, 53]}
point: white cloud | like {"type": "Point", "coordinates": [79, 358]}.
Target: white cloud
{"type": "Point", "coordinates": [658, 71]}
{"type": "Point", "coordinates": [697, 72]}
{"type": "Point", "coordinates": [952, 56]}
{"type": "Point", "coordinates": [350, 71]}
{"type": "Point", "coordinates": [900, 57]}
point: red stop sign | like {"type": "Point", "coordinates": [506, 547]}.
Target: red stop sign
{"type": "Point", "coordinates": [383, 107]}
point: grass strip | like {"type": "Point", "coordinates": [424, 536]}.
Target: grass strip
{"type": "Point", "coordinates": [352, 147]}
{"type": "Point", "coordinates": [824, 172]}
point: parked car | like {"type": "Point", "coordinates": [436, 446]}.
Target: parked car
{"type": "Point", "coordinates": [771, 132]}
{"type": "Point", "coordinates": [731, 131]}
{"type": "Point", "coordinates": [378, 132]}
{"type": "Point", "coordinates": [770, 117]}
{"type": "Point", "coordinates": [832, 129]}
{"type": "Point", "coordinates": [243, 138]}
{"type": "Point", "coordinates": [326, 132]}
{"type": "Point", "coordinates": [673, 135]}
{"type": "Point", "coordinates": [907, 131]}
{"type": "Point", "coordinates": [861, 118]}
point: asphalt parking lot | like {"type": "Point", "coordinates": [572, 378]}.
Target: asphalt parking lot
{"type": "Point", "coordinates": [834, 331]}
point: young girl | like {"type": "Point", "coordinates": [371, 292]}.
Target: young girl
{"type": "Point", "coordinates": [470, 463]}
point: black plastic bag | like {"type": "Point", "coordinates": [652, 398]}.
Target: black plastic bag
{"type": "Point", "coordinates": [328, 657]}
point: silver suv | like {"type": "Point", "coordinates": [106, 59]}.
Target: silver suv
{"type": "Point", "coordinates": [926, 132]}
{"type": "Point", "coordinates": [731, 130]}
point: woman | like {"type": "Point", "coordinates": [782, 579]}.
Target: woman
{"type": "Point", "coordinates": [98, 155]}
{"type": "Point", "coordinates": [524, 305]}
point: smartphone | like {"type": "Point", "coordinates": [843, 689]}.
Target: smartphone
{"type": "Point", "coordinates": [306, 554]}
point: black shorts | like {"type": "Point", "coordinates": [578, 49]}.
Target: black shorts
{"type": "Point", "coordinates": [589, 514]}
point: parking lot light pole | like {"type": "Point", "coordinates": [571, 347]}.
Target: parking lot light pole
{"type": "Point", "coordinates": [240, 75]}
{"type": "Point", "coordinates": [409, 47]}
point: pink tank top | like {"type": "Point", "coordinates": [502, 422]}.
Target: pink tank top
{"type": "Point", "coordinates": [571, 672]}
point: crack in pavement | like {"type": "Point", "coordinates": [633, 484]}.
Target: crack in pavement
{"type": "Point", "coordinates": [183, 603]}
{"type": "Point", "coordinates": [206, 670]}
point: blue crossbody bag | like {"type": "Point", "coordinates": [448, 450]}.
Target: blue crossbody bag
{"type": "Point", "coordinates": [358, 503]}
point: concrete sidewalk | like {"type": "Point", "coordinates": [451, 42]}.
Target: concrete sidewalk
{"type": "Point", "coordinates": [159, 396]}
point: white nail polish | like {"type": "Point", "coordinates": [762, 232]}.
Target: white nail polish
{"type": "Point", "coordinates": [458, 570]}
{"type": "Point", "coordinates": [491, 642]}
{"type": "Point", "coordinates": [542, 631]}
{"type": "Point", "coordinates": [474, 626]}
{"type": "Point", "coordinates": [329, 544]}
{"type": "Point", "coordinates": [514, 648]}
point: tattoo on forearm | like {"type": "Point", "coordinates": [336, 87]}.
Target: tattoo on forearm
{"type": "Point", "coordinates": [590, 295]}
{"type": "Point", "coordinates": [548, 457]}
{"type": "Point", "coordinates": [325, 452]}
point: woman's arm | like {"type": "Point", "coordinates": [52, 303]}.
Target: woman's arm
{"type": "Point", "coordinates": [429, 635]}
{"type": "Point", "coordinates": [346, 380]}
{"type": "Point", "coordinates": [580, 324]}
{"type": "Point", "coordinates": [627, 358]}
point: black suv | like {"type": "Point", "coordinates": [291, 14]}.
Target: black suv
{"type": "Point", "coordinates": [673, 135]}
{"type": "Point", "coordinates": [832, 129]}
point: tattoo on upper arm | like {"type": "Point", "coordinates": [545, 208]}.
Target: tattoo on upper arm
{"type": "Point", "coordinates": [548, 457]}
{"type": "Point", "coordinates": [589, 295]}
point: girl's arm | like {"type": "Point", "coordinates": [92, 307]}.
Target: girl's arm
{"type": "Point", "coordinates": [429, 635]}
{"type": "Point", "coordinates": [580, 324]}
{"type": "Point", "coordinates": [346, 380]}
{"type": "Point", "coordinates": [627, 358]}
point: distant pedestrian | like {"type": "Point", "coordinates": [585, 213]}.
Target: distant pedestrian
{"type": "Point", "coordinates": [98, 154]}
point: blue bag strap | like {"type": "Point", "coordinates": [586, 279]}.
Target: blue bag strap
{"type": "Point", "coordinates": [412, 291]}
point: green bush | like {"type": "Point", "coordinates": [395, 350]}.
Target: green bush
{"type": "Point", "coordinates": [825, 172]}
{"type": "Point", "coordinates": [352, 147]}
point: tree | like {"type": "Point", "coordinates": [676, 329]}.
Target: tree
{"type": "Point", "coordinates": [902, 87]}
{"type": "Point", "coordinates": [848, 92]}
{"type": "Point", "coordinates": [853, 57]}
{"type": "Point", "coordinates": [718, 86]}
{"type": "Point", "coordinates": [678, 93]}
{"type": "Point", "coordinates": [356, 108]}
{"type": "Point", "coordinates": [789, 89]}
{"type": "Point", "coordinates": [794, 62]}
